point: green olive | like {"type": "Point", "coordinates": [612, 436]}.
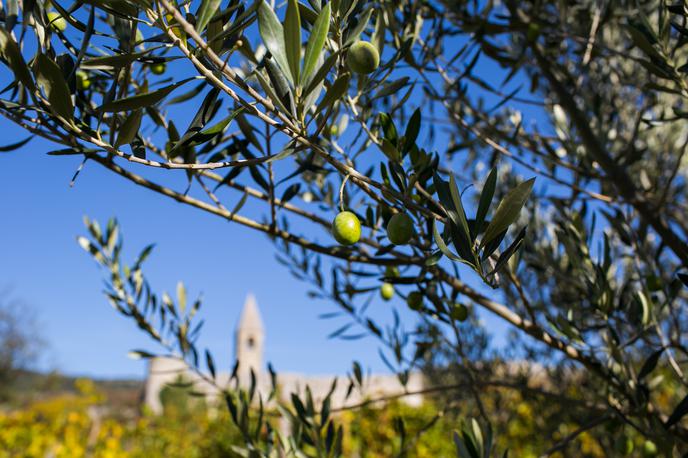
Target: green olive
{"type": "Point", "coordinates": [400, 229]}
{"type": "Point", "coordinates": [649, 448]}
{"type": "Point", "coordinates": [362, 57]}
{"type": "Point", "coordinates": [459, 312]}
{"type": "Point", "coordinates": [387, 291]}
{"type": "Point", "coordinates": [346, 228]}
{"type": "Point", "coordinates": [57, 22]}
{"type": "Point", "coordinates": [82, 80]}
{"type": "Point", "coordinates": [623, 445]}
{"type": "Point", "coordinates": [415, 300]}
{"type": "Point", "coordinates": [391, 272]}
{"type": "Point", "coordinates": [158, 68]}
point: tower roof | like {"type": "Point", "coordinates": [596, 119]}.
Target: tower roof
{"type": "Point", "coordinates": [250, 316]}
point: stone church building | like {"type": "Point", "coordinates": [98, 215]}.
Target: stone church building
{"type": "Point", "coordinates": [249, 345]}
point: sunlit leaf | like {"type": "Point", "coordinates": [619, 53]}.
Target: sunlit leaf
{"type": "Point", "coordinates": [508, 210]}
{"type": "Point", "coordinates": [272, 32]}
{"type": "Point", "coordinates": [292, 39]}
{"type": "Point", "coordinates": [316, 41]}
{"type": "Point", "coordinates": [205, 12]}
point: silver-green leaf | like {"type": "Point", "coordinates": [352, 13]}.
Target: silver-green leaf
{"type": "Point", "coordinates": [292, 38]}
{"type": "Point", "coordinates": [316, 41]}
{"type": "Point", "coordinates": [205, 13]}
{"type": "Point", "coordinates": [272, 32]}
{"type": "Point", "coordinates": [508, 210]}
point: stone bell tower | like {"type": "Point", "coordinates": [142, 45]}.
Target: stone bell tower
{"type": "Point", "coordinates": [250, 337]}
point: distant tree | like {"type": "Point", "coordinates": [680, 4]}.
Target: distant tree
{"type": "Point", "coordinates": [20, 341]}
{"type": "Point", "coordinates": [412, 131]}
{"type": "Point", "coordinates": [179, 396]}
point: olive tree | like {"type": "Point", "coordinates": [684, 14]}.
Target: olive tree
{"type": "Point", "coordinates": [518, 160]}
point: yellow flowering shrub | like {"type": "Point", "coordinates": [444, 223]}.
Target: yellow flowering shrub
{"type": "Point", "coordinates": [69, 426]}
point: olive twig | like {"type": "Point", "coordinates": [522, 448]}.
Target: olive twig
{"type": "Point", "coordinates": [341, 191]}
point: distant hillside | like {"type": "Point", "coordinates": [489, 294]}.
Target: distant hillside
{"type": "Point", "coordinates": [29, 386]}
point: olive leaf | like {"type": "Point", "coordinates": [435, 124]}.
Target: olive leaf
{"type": "Point", "coordinates": [508, 210]}
{"type": "Point", "coordinates": [292, 39]}
{"type": "Point", "coordinates": [485, 200]}
{"type": "Point", "coordinates": [204, 114]}
{"type": "Point", "coordinates": [129, 129]}
{"type": "Point", "coordinates": [318, 78]}
{"type": "Point", "coordinates": [509, 252]}
{"type": "Point", "coordinates": [388, 128]}
{"type": "Point", "coordinates": [451, 200]}
{"type": "Point", "coordinates": [650, 364]}
{"type": "Point", "coordinates": [390, 150]}
{"type": "Point", "coordinates": [458, 207]}
{"type": "Point", "coordinates": [272, 33]}
{"type": "Point", "coordinates": [316, 41]}
{"type": "Point", "coordinates": [270, 92]}
{"type": "Point", "coordinates": [335, 92]}
{"type": "Point", "coordinates": [378, 38]}
{"type": "Point", "coordinates": [353, 34]}
{"type": "Point", "coordinates": [215, 29]}
{"type": "Point", "coordinates": [116, 60]}
{"type": "Point", "coordinates": [50, 78]}
{"type": "Point", "coordinates": [290, 192]}
{"type": "Point", "coordinates": [14, 146]}
{"type": "Point", "coordinates": [679, 411]}
{"type": "Point", "coordinates": [188, 95]}
{"type": "Point", "coordinates": [181, 296]}
{"type": "Point", "coordinates": [141, 100]}
{"type": "Point", "coordinates": [307, 14]}
{"type": "Point", "coordinates": [314, 87]}
{"type": "Point", "coordinates": [205, 12]}
{"type": "Point", "coordinates": [140, 354]}
{"type": "Point", "coordinates": [9, 49]}
{"type": "Point", "coordinates": [198, 138]}
{"type": "Point", "coordinates": [412, 130]}
{"type": "Point", "coordinates": [280, 83]}
{"type": "Point", "coordinates": [441, 243]}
